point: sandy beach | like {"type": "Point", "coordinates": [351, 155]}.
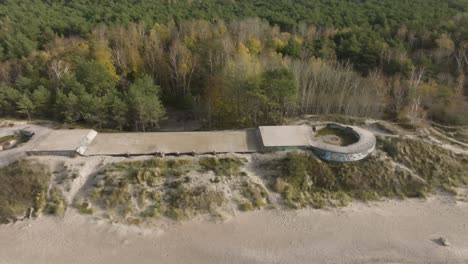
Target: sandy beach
{"type": "Point", "coordinates": [383, 232]}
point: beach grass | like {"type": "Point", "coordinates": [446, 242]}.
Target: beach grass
{"type": "Point", "coordinates": [23, 186]}
{"type": "Point", "coordinates": [412, 168]}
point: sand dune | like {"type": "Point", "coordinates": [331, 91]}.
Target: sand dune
{"type": "Point", "coordinates": [384, 232]}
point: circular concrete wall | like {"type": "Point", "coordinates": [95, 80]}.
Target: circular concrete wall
{"type": "Point", "coordinates": [353, 152]}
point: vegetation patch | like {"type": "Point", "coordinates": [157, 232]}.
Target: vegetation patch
{"type": "Point", "coordinates": [459, 133]}
{"type": "Point", "coordinates": [184, 202]}
{"type": "Point", "coordinates": [346, 138]}
{"type": "Point", "coordinates": [337, 58]}
{"type": "Point", "coordinates": [84, 207]}
{"type": "Point", "coordinates": [228, 166]}
{"type": "Point", "coordinates": [437, 166]}
{"type": "Point", "coordinates": [7, 138]}
{"type": "Point", "coordinates": [303, 180]}
{"type": "Point", "coordinates": [56, 204]}
{"type": "Point", "coordinates": [254, 196]}
{"type": "Point", "coordinates": [24, 185]}
{"type": "Point", "coordinates": [18, 139]}
{"type": "Point", "coordinates": [151, 188]}
{"type": "Point", "coordinates": [413, 169]}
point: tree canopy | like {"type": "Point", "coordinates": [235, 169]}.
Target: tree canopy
{"type": "Point", "coordinates": [120, 64]}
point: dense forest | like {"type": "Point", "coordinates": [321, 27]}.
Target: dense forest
{"type": "Point", "coordinates": [125, 64]}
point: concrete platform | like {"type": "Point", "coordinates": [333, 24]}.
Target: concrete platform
{"type": "Point", "coordinates": [88, 142]}
{"type": "Point", "coordinates": [64, 142]}
{"type": "Point", "coordinates": [245, 141]}
{"type": "Point", "coordinates": [280, 136]}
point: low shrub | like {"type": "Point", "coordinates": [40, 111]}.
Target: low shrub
{"type": "Point", "coordinates": [23, 185]}
{"type": "Point", "coordinates": [56, 204]}
{"type": "Point", "coordinates": [151, 188]}
{"type": "Point", "coordinates": [439, 167]}
{"type": "Point", "coordinates": [229, 166]}
{"type": "Point", "coordinates": [304, 180]}
{"type": "Point", "coordinates": [184, 203]}
{"type": "Point", "coordinates": [255, 194]}
{"type": "Point", "coordinates": [245, 206]}
{"type": "Point", "coordinates": [85, 207]}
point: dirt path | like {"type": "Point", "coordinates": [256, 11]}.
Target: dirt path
{"type": "Point", "coordinates": [386, 232]}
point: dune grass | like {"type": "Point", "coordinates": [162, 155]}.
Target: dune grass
{"type": "Point", "coordinates": [439, 167]}
{"type": "Point", "coordinates": [254, 196]}
{"type": "Point", "coordinates": [228, 166]}
{"type": "Point", "coordinates": [304, 180]}
{"type": "Point", "coordinates": [184, 202]}
{"type": "Point", "coordinates": [24, 185]}
{"type": "Point", "coordinates": [56, 202]}
{"type": "Point", "coordinates": [152, 188]}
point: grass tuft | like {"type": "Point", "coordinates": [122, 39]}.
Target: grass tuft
{"type": "Point", "coordinates": [223, 166]}
{"type": "Point", "coordinates": [23, 185]}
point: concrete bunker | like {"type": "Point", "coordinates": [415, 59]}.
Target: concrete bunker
{"type": "Point", "coordinates": [342, 143]}
{"type": "Point", "coordinates": [329, 141]}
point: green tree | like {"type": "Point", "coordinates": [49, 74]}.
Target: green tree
{"type": "Point", "coordinates": [41, 98]}
{"type": "Point", "coordinates": [8, 99]}
{"type": "Point", "coordinates": [18, 45]}
{"type": "Point", "coordinates": [68, 107]}
{"type": "Point", "coordinates": [292, 48]}
{"type": "Point", "coordinates": [144, 103]}
{"type": "Point", "coordinates": [362, 47]}
{"type": "Point", "coordinates": [95, 77]}
{"type": "Point", "coordinates": [26, 106]}
{"type": "Point", "coordinates": [116, 109]}
{"type": "Point", "coordinates": [279, 87]}
{"type": "Point", "coordinates": [92, 109]}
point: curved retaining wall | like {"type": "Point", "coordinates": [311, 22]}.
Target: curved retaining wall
{"type": "Point", "coordinates": [354, 152]}
{"type": "Point", "coordinates": [341, 157]}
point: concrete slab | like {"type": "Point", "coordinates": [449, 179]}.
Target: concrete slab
{"type": "Point", "coordinates": [174, 142]}
{"type": "Point", "coordinates": [64, 142]}
{"type": "Point", "coordinates": [280, 136]}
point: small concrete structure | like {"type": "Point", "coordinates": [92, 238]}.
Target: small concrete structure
{"type": "Point", "coordinates": [64, 142]}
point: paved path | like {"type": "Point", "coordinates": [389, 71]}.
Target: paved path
{"type": "Point", "coordinates": [174, 142]}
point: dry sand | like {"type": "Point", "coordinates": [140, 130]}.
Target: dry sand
{"type": "Point", "coordinates": [384, 232]}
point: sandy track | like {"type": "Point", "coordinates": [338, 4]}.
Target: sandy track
{"type": "Point", "coordinates": [386, 232]}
